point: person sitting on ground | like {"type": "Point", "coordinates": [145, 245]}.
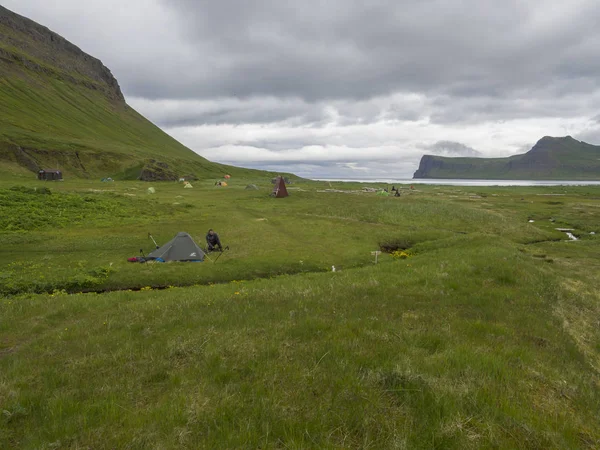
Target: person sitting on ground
{"type": "Point", "coordinates": [213, 241]}
{"type": "Point", "coordinates": [397, 194]}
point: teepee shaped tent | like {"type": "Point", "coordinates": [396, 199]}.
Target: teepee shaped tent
{"type": "Point", "coordinates": [181, 248]}
{"type": "Point", "coordinates": [279, 190]}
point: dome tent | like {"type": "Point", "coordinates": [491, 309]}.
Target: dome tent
{"type": "Point", "coordinates": [181, 248]}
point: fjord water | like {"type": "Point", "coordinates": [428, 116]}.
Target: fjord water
{"type": "Point", "coordinates": [463, 182]}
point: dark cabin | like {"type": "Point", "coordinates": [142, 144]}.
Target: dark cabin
{"type": "Point", "coordinates": [50, 175]}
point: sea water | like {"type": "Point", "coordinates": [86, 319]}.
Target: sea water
{"type": "Point", "coordinates": [459, 182]}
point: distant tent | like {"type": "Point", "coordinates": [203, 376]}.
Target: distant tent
{"type": "Point", "coordinates": [187, 185]}
{"type": "Point", "coordinates": [285, 179]}
{"type": "Point", "coordinates": [181, 248]}
{"type": "Point", "coordinates": [383, 193]}
{"type": "Point", "coordinates": [227, 177]}
{"type": "Point", "coordinates": [50, 175]}
{"type": "Point", "coordinates": [279, 190]}
{"type": "Point", "coordinates": [252, 187]}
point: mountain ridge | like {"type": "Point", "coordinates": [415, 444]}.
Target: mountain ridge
{"type": "Point", "coordinates": [551, 158]}
{"type": "Point", "coordinates": [60, 107]}
{"type": "Point", "coordinates": [36, 47]}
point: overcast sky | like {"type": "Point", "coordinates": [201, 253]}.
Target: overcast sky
{"type": "Point", "coordinates": [346, 88]}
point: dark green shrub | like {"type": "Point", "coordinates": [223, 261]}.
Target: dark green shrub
{"type": "Point", "coordinates": [392, 245]}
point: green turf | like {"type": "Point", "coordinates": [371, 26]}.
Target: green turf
{"type": "Point", "coordinates": [484, 336]}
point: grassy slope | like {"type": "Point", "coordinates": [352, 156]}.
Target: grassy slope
{"type": "Point", "coordinates": [485, 338]}
{"type": "Point", "coordinates": [555, 159]}
{"type": "Point", "coordinates": [53, 114]}
{"type": "Point", "coordinates": [63, 118]}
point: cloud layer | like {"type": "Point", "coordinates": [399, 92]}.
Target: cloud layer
{"type": "Point", "coordinates": [344, 87]}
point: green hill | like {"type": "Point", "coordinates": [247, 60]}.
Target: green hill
{"type": "Point", "coordinates": [62, 107]}
{"type": "Point", "coordinates": [550, 159]}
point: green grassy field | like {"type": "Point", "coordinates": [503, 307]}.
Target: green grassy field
{"type": "Point", "coordinates": [484, 334]}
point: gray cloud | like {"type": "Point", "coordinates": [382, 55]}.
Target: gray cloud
{"type": "Point", "coordinates": [340, 49]}
{"type": "Point", "coordinates": [348, 85]}
{"type": "Point", "coordinates": [265, 110]}
{"type": "Point", "coordinates": [590, 135]}
{"type": "Point", "coordinates": [449, 148]}
{"type": "Point", "coordinates": [351, 49]}
{"type": "Point", "coordinates": [473, 60]}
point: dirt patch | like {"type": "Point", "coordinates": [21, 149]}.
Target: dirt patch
{"type": "Point", "coordinates": [7, 347]}
{"type": "Point", "coordinates": [7, 351]}
{"type": "Point", "coordinates": [538, 341]}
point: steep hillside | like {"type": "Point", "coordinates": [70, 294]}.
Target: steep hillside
{"type": "Point", "coordinates": [62, 107]}
{"type": "Point", "coordinates": [550, 159]}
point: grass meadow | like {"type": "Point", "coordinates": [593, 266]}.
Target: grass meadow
{"type": "Point", "coordinates": [482, 332]}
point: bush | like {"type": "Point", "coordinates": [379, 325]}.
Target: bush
{"type": "Point", "coordinates": [12, 282]}
{"type": "Point", "coordinates": [393, 245]}
{"type": "Point", "coordinates": [28, 190]}
{"type": "Point", "coordinates": [24, 209]}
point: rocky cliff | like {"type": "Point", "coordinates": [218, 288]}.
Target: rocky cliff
{"type": "Point", "coordinates": [550, 158]}
{"type": "Point", "coordinates": [36, 48]}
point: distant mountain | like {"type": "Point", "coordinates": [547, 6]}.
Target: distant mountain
{"type": "Point", "coordinates": [62, 107]}
{"type": "Point", "coordinates": [551, 158]}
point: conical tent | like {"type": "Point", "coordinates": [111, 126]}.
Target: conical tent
{"type": "Point", "coordinates": [181, 248]}
{"type": "Point", "coordinates": [279, 190]}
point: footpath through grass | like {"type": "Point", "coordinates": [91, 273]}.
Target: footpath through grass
{"type": "Point", "coordinates": [485, 336]}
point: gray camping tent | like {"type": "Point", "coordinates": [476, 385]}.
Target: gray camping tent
{"type": "Point", "coordinates": [181, 248]}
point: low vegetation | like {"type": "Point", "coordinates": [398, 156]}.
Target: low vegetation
{"type": "Point", "coordinates": [476, 329]}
